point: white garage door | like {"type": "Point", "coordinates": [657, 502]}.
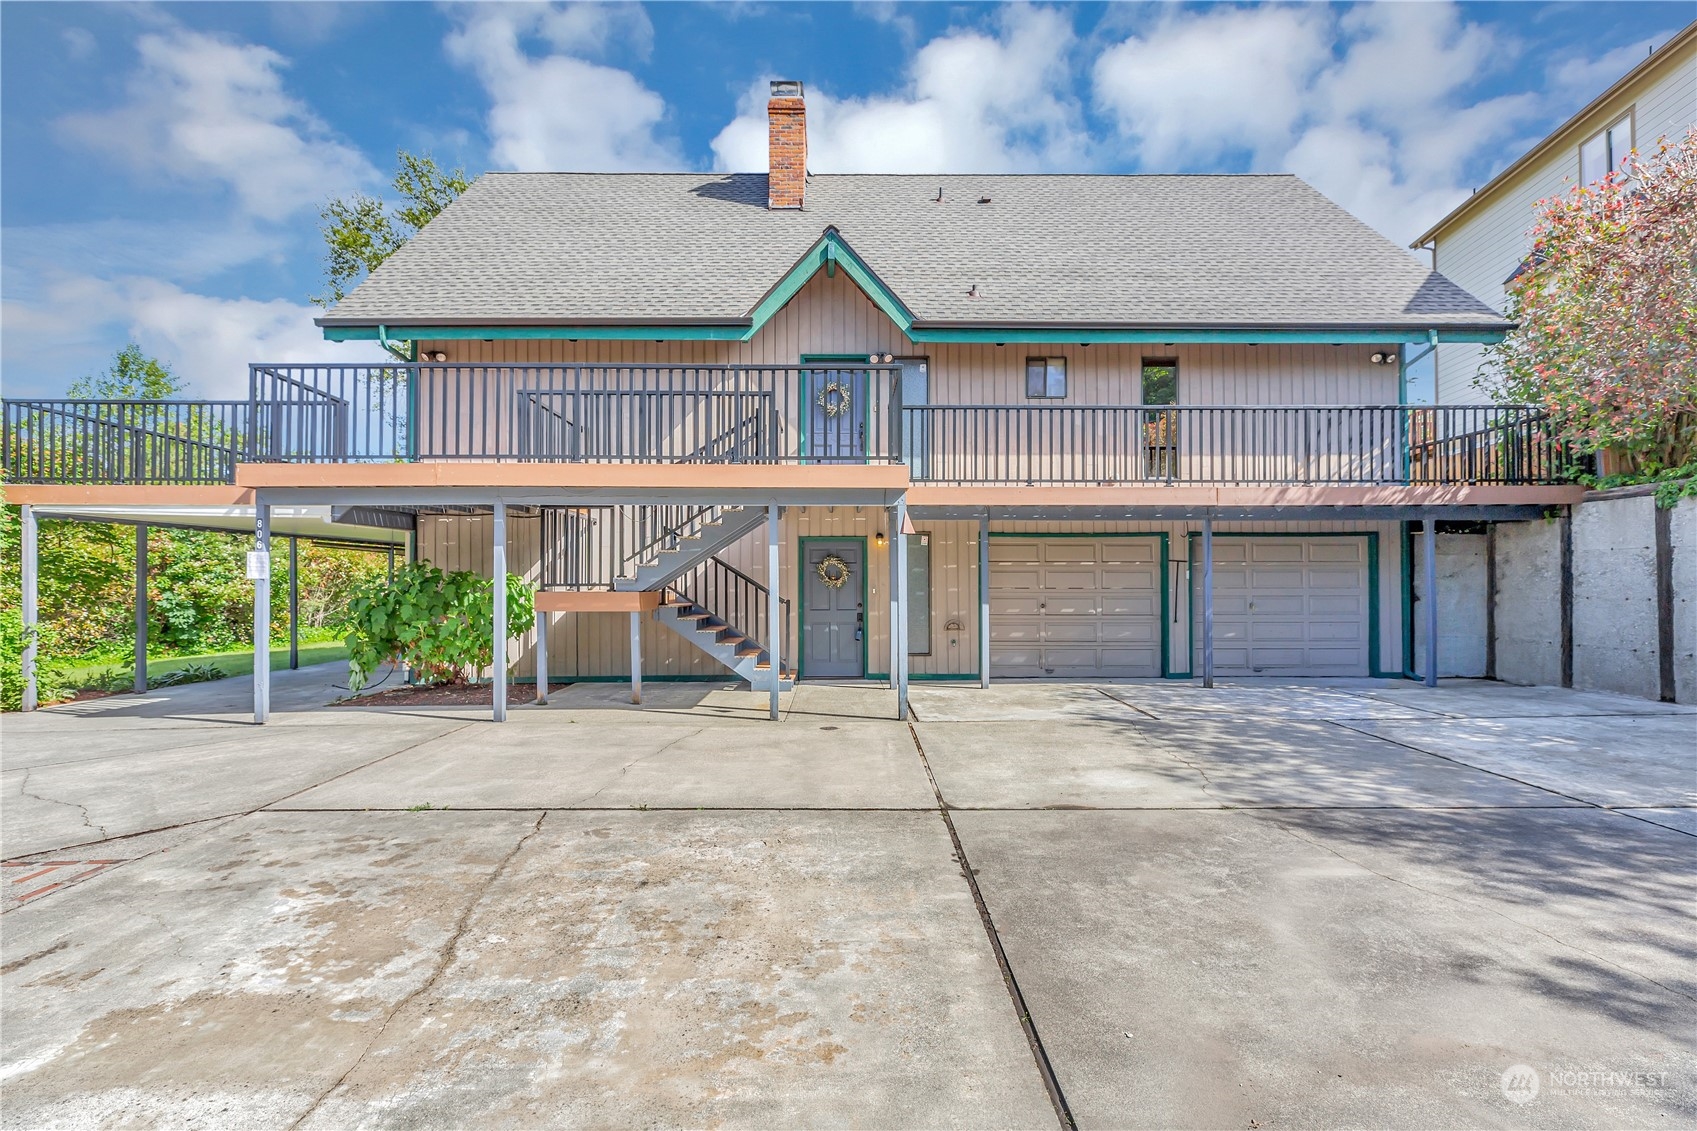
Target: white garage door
{"type": "Point", "coordinates": [1287, 606]}
{"type": "Point", "coordinates": [1075, 607]}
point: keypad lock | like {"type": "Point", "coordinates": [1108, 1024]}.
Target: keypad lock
{"type": "Point", "coordinates": [860, 622]}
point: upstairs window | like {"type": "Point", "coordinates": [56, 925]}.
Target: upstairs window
{"type": "Point", "coordinates": [1605, 151]}
{"type": "Point", "coordinates": [1046, 377]}
{"type": "Point", "coordinates": [1160, 381]}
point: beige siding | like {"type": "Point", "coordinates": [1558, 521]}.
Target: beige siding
{"type": "Point", "coordinates": [597, 645]}
{"type": "Point", "coordinates": [831, 316]}
{"type": "Point", "coordinates": [1485, 247]}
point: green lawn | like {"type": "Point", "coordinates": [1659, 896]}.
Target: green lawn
{"type": "Point", "coordinates": [230, 663]}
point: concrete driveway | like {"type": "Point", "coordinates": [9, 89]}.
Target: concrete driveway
{"type": "Point", "coordinates": [1144, 904]}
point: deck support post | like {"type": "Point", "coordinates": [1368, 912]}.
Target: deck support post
{"type": "Point", "coordinates": [141, 609]}
{"type": "Point", "coordinates": [1430, 553]}
{"type": "Point", "coordinates": [498, 567]}
{"type": "Point", "coordinates": [898, 607]}
{"type": "Point", "coordinates": [294, 604]}
{"type": "Point", "coordinates": [30, 613]}
{"type": "Point", "coordinates": [1207, 602]}
{"type": "Point", "coordinates": [984, 600]}
{"type": "Point", "coordinates": [636, 658]}
{"type": "Point", "coordinates": [774, 609]}
{"type": "Point", "coordinates": [261, 572]}
{"type": "Point", "coordinates": [541, 658]}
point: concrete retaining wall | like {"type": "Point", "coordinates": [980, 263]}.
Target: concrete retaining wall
{"type": "Point", "coordinates": [1616, 613]}
{"type": "Point", "coordinates": [1528, 603]}
{"type": "Point", "coordinates": [1463, 592]}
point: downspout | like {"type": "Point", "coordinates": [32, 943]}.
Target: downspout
{"type": "Point", "coordinates": [402, 351]}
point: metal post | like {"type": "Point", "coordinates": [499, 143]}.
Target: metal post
{"type": "Point", "coordinates": [894, 604]}
{"type": "Point", "coordinates": [984, 599]}
{"type": "Point", "coordinates": [541, 658]}
{"type": "Point", "coordinates": [774, 611]}
{"type": "Point", "coordinates": [262, 611]}
{"type": "Point", "coordinates": [141, 610]}
{"type": "Point", "coordinates": [294, 604]}
{"type": "Point", "coordinates": [636, 657]}
{"type": "Point", "coordinates": [899, 625]}
{"type": "Point", "coordinates": [1207, 602]}
{"type": "Point", "coordinates": [1431, 555]}
{"type": "Point", "coordinates": [498, 564]}
{"type": "Point", "coordinates": [391, 565]}
{"type": "Point", "coordinates": [30, 612]}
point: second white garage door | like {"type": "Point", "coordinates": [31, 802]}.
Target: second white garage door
{"type": "Point", "coordinates": [1080, 608]}
{"type": "Point", "coordinates": [1287, 606]}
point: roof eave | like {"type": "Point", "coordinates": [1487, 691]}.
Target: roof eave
{"type": "Point", "coordinates": [1679, 40]}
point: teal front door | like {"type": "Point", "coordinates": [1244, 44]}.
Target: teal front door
{"type": "Point", "coordinates": [833, 620]}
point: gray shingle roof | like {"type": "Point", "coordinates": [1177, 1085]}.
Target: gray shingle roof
{"type": "Point", "coordinates": [1108, 251]}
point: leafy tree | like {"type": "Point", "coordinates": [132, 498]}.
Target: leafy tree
{"type": "Point", "coordinates": [1607, 313]}
{"type": "Point", "coordinates": [362, 231]}
{"type": "Point", "coordinates": [132, 376]}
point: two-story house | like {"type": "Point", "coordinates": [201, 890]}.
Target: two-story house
{"type": "Point", "coordinates": [888, 427]}
{"type": "Point", "coordinates": [1482, 243]}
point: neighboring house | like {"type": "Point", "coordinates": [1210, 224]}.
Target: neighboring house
{"type": "Point", "coordinates": [1482, 244]}
{"type": "Point", "coordinates": [963, 427]}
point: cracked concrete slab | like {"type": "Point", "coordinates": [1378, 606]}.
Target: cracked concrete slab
{"type": "Point", "coordinates": [237, 978]}
{"type": "Point", "coordinates": [1237, 969]}
{"type": "Point", "coordinates": [847, 763]}
{"type": "Point", "coordinates": [1202, 762]}
{"type": "Point", "coordinates": [1645, 761]}
{"type": "Point", "coordinates": [741, 970]}
{"type": "Point", "coordinates": [1484, 699]}
{"type": "Point", "coordinates": [76, 802]}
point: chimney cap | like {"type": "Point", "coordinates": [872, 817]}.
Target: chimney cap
{"type": "Point", "coordinates": [786, 88]}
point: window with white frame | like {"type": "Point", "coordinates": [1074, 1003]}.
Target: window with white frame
{"type": "Point", "coordinates": [1046, 377]}
{"type": "Point", "coordinates": [1605, 151]}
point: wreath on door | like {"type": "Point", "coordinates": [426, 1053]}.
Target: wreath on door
{"type": "Point", "coordinates": [833, 571]}
{"type": "Point", "coordinates": [834, 397]}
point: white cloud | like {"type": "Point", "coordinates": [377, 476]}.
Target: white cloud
{"type": "Point", "coordinates": [209, 341]}
{"type": "Point", "coordinates": [561, 111]}
{"type": "Point", "coordinates": [1370, 106]}
{"type": "Point", "coordinates": [79, 43]}
{"type": "Point", "coordinates": [1582, 79]}
{"type": "Point", "coordinates": [204, 108]}
{"type": "Point", "coordinates": [974, 102]}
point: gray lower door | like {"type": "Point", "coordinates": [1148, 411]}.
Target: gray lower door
{"type": "Point", "coordinates": [1288, 606]}
{"type": "Point", "coordinates": [1075, 608]}
{"type": "Point", "coordinates": [832, 620]}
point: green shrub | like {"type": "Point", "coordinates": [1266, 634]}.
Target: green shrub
{"type": "Point", "coordinates": [441, 625]}
{"type": "Point", "coordinates": [51, 681]}
{"type": "Point", "coordinates": [189, 673]}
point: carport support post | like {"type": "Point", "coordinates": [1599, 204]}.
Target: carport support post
{"type": "Point", "coordinates": [1207, 602]}
{"type": "Point", "coordinates": [498, 566]}
{"type": "Point", "coordinates": [984, 600]}
{"type": "Point", "coordinates": [294, 604]}
{"type": "Point", "coordinates": [636, 657]}
{"type": "Point", "coordinates": [262, 611]}
{"type": "Point", "coordinates": [141, 610]}
{"type": "Point", "coordinates": [774, 610]}
{"type": "Point", "coordinates": [541, 658]}
{"type": "Point", "coordinates": [1430, 553]}
{"type": "Point", "coordinates": [29, 613]}
{"type": "Point", "coordinates": [898, 608]}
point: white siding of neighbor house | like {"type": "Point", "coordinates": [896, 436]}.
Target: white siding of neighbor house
{"type": "Point", "coordinates": [597, 645]}
{"type": "Point", "coordinates": [1485, 247]}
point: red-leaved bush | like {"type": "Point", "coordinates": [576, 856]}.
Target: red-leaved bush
{"type": "Point", "coordinates": [1607, 312]}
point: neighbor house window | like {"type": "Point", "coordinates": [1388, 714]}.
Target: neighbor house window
{"type": "Point", "coordinates": [1604, 151]}
{"type": "Point", "coordinates": [1046, 377]}
{"type": "Point", "coordinates": [1160, 381]}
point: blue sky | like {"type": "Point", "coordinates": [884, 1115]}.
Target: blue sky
{"type": "Point", "coordinates": [163, 164]}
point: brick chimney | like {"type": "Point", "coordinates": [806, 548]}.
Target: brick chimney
{"type": "Point", "coordinates": [786, 116]}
